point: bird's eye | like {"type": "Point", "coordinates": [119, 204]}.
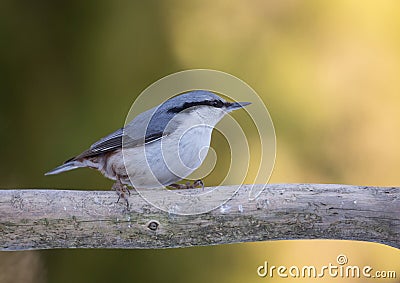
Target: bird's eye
{"type": "Point", "coordinates": [217, 103]}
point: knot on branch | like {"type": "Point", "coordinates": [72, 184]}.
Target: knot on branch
{"type": "Point", "coordinates": [153, 225]}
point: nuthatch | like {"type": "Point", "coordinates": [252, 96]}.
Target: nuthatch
{"type": "Point", "coordinates": [160, 146]}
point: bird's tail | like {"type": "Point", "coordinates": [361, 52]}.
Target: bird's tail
{"type": "Point", "coordinates": [69, 165]}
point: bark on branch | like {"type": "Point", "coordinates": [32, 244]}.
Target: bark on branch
{"type": "Point", "coordinates": [47, 219]}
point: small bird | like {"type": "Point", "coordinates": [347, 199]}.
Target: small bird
{"type": "Point", "coordinates": [160, 146]}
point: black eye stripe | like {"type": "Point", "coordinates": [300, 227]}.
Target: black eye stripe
{"type": "Point", "coordinates": [217, 103]}
{"type": "Point", "coordinates": [186, 105]}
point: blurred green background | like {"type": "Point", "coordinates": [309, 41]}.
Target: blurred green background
{"type": "Point", "coordinates": [329, 72]}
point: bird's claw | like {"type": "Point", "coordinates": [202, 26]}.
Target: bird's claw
{"type": "Point", "coordinates": [122, 192]}
{"type": "Point", "coordinates": [188, 185]}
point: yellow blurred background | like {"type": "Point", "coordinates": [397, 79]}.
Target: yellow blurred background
{"type": "Point", "coordinates": [328, 71]}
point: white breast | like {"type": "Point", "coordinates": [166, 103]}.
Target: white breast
{"type": "Point", "coordinates": [172, 158]}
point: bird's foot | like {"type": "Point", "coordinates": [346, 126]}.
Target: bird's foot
{"type": "Point", "coordinates": [188, 185]}
{"type": "Point", "coordinates": [122, 191]}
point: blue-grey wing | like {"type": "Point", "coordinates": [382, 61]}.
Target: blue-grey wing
{"type": "Point", "coordinates": [145, 128]}
{"type": "Point", "coordinates": [114, 142]}
{"type": "Point", "coordinates": [108, 143]}
{"type": "Point", "coordinates": [117, 139]}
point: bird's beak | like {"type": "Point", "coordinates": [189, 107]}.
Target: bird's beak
{"type": "Point", "coordinates": [236, 105]}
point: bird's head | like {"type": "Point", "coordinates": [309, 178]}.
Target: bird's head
{"type": "Point", "coordinates": [205, 104]}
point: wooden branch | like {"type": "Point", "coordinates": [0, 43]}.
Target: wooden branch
{"type": "Point", "coordinates": [47, 219]}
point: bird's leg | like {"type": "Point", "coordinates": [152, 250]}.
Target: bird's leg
{"type": "Point", "coordinates": [198, 183]}
{"type": "Point", "coordinates": [188, 185]}
{"type": "Point", "coordinates": [122, 191]}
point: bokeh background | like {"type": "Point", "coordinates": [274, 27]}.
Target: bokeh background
{"type": "Point", "coordinates": [329, 72]}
